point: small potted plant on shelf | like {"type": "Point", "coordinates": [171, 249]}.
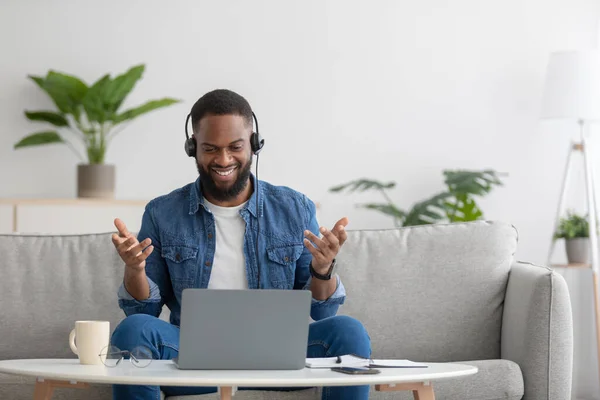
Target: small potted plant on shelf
{"type": "Point", "coordinates": [574, 229]}
{"type": "Point", "coordinates": [86, 120]}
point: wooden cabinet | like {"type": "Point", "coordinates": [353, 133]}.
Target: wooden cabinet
{"type": "Point", "coordinates": [68, 216]}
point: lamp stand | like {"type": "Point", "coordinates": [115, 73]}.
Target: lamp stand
{"type": "Point", "coordinates": [584, 147]}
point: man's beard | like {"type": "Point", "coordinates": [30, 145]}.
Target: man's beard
{"type": "Point", "coordinates": [209, 186]}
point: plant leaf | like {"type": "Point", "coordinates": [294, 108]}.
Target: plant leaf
{"type": "Point", "coordinates": [57, 97]}
{"type": "Point", "coordinates": [362, 185]}
{"type": "Point", "coordinates": [385, 208]}
{"type": "Point", "coordinates": [51, 117]}
{"type": "Point", "coordinates": [39, 138]}
{"type": "Point", "coordinates": [466, 209]}
{"type": "Point", "coordinates": [38, 80]}
{"type": "Point", "coordinates": [66, 91]}
{"type": "Point", "coordinates": [72, 86]}
{"type": "Point", "coordinates": [428, 211]}
{"type": "Point", "coordinates": [144, 108]}
{"type": "Point", "coordinates": [93, 101]}
{"type": "Point", "coordinates": [121, 86]}
{"type": "Point", "coordinates": [572, 226]}
{"type": "Point", "coordinates": [476, 183]}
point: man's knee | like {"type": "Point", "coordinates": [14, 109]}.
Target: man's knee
{"type": "Point", "coordinates": [351, 334]}
{"type": "Point", "coordinates": [131, 330]}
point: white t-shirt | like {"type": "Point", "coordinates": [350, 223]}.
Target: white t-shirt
{"type": "Point", "coordinates": [229, 266]}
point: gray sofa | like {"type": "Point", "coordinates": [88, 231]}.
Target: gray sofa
{"type": "Point", "coordinates": [428, 293]}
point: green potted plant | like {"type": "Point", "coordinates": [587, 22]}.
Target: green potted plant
{"type": "Point", "coordinates": [87, 118]}
{"type": "Point", "coordinates": [457, 203]}
{"type": "Point", "coordinates": [574, 229]}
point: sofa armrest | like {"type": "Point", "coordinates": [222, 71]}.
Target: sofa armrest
{"type": "Point", "coordinates": [537, 330]}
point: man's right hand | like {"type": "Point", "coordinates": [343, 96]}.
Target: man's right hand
{"type": "Point", "coordinates": [132, 252]}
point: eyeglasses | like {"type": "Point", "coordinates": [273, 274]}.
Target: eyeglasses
{"type": "Point", "coordinates": [139, 356]}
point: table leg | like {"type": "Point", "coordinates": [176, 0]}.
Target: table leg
{"type": "Point", "coordinates": [226, 393]}
{"type": "Point", "coordinates": [424, 393]}
{"type": "Point", "coordinates": [421, 390]}
{"type": "Point", "coordinates": [45, 388]}
{"type": "Point", "coordinates": [14, 221]}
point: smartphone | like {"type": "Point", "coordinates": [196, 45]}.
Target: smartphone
{"type": "Point", "coordinates": [356, 371]}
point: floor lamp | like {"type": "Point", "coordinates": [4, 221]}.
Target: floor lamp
{"type": "Point", "coordinates": [572, 92]}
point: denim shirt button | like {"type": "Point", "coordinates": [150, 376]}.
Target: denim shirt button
{"type": "Point", "coordinates": [207, 263]}
{"type": "Point", "coordinates": [177, 257]}
{"type": "Point", "coordinates": [210, 235]}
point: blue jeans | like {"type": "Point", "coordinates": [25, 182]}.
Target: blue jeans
{"type": "Point", "coordinates": [329, 337]}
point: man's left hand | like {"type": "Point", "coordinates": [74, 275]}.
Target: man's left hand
{"type": "Point", "coordinates": [325, 249]}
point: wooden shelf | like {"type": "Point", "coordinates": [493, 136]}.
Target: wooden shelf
{"type": "Point", "coordinates": [66, 201]}
{"type": "Point", "coordinates": [67, 215]}
{"type": "Point", "coordinates": [573, 265]}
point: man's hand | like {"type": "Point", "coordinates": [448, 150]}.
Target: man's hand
{"type": "Point", "coordinates": [326, 248]}
{"type": "Point", "coordinates": [132, 252]}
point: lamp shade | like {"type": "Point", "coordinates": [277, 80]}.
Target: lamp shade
{"type": "Point", "coordinates": [572, 85]}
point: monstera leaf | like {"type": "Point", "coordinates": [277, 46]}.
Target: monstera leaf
{"type": "Point", "coordinates": [428, 211]}
{"type": "Point", "coordinates": [456, 204]}
{"type": "Point", "coordinates": [471, 182]}
{"type": "Point", "coordinates": [388, 209]}
{"type": "Point", "coordinates": [462, 209]}
{"type": "Point", "coordinates": [361, 185]}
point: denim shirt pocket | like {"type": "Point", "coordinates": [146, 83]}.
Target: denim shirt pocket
{"type": "Point", "coordinates": [282, 264]}
{"type": "Point", "coordinates": [182, 263]}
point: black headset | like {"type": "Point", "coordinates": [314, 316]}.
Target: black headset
{"type": "Point", "coordinates": [256, 141]}
{"type": "Point", "coordinates": [256, 144]}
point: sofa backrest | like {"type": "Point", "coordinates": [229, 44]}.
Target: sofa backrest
{"type": "Point", "coordinates": [48, 283]}
{"type": "Point", "coordinates": [429, 293]}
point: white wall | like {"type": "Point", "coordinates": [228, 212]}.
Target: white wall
{"type": "Point", "coordinates": [343, 89]}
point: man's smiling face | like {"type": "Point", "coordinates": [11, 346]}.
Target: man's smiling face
{"type": "Point", "coordinates": [223, 155]}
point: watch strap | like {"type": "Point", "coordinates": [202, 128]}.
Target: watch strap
{"type": "Point", "coordinates": [321, 276]}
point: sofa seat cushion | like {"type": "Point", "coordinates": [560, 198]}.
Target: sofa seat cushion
{"type": "Point", "coordinates": [496, 379]}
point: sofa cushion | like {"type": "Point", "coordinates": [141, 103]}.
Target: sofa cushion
{"type": "Point", "coordinates": [496, 380]}
{"type": "Point", "coordinates": [49, 282]}
{"type": "Point", "coordinates": [432, 292]}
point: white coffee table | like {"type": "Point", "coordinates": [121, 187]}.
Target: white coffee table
{"type": "Point", "coordinates": [51, 373]}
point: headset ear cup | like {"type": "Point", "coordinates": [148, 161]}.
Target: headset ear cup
{"type": "Point", "coordinates": [190, 142]}
{"type": "Point", "coordinates": [190, 147]}
{"type": "Point", "coordinates": [256, 142]}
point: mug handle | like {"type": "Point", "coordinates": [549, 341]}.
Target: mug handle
{"type": "Point", "coordinates": [72, 342]}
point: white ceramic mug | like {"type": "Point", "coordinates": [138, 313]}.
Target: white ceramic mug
{"type": "Point", "coordinates": [91, 338]}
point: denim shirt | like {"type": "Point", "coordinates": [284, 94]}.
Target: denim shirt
{"type": "Point", "coordinates": [182, 230]}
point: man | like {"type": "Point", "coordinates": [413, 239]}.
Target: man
{"type": "Point", "coordinates": [203, 235]}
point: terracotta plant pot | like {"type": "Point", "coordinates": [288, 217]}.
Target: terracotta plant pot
{"type": "Point", "coordinates": [96, 181]}
{"type": "Point", "coordinates": [578, 250]}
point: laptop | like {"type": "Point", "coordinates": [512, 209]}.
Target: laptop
{"type": "Point", "coordinates": [243, 329]}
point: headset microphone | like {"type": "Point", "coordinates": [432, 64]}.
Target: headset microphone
{"type": "Point", "coordinates": [256, 145]}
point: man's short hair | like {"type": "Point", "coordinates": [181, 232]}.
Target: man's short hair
{"type": "Point", "coordinates": [221, 102]}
